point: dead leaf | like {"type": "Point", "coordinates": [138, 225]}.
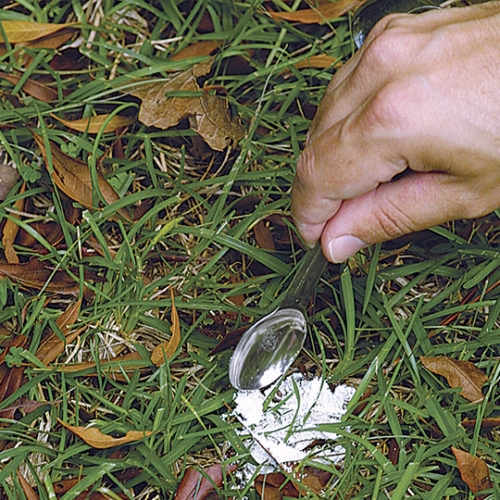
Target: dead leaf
{"type": "Point", "coordinates": [35, 274]}
{"type": "Point", "coordinates": [198, 49]}
{"type": "Point", "coordinates": [8, 177]}
{"type": "Point", "coordinates": [209, 114]}
{"type": "Point", "coordinates": [11, 381]}
{"type": "Point", "coordinates": [473, 471]}
{"type": "Point", "coordinates": [166, 349]}
{"type": "Point", "coordinates": [26, 405]}
{"type": "Point", "coordinates": [52, 41]}
{"type": "Point", "coordinates": [33, 88]}
{"type": "Point", "coordinates": [462, 374]}
{"type": "Point", "coordinates": [317, 61]}
{"type": "Point", "coordinates": [25, 31]}
{"type": "Point", "coordinates": [72, 177]}
{"type": "Point", "coordinates": [52, 346]}
{"type": "Point", "coordinates": [17, 341]}
{"type": "Point", "coordinates": [325, 11]}
{"type": "Point", "coordinates": [10, 231]}
{"type": "Point", "coordinates": [272, 486]}
{"type": "Point", "coordinates": [486, 423]}
{"type": "Point", "coordinates": [264, 236]}
{"type": "Point", "coordinates": [95, 438]}
{"type": "Point", "coordinates": [194, 486]}
{"type": "Point", "coordinates": [95, 123]}
{"type": "Point", "coordinates": [28, 490]}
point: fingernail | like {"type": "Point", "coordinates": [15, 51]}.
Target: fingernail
{"type": "Point", "coordinates": [343, 247]}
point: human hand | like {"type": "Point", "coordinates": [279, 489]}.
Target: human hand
{"type": "Point", "coordinates": [422, 96]}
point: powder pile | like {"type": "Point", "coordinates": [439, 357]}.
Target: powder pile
{"type": "Point", "coordinates": [286, 427]}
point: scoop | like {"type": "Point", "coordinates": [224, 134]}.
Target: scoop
{"type": "Point", "coordinates": [270, 346]}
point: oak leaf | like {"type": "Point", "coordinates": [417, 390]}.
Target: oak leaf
{"type": "Point", "coordinates": [27, 405]}
{"type": "Point", "coordinates": [197, 49]}
{"type": "Point", "coordinates": [462, 374]}
{"type": "Point", "coordinates": [35, 274]}
{"type": "Point", "coordinates": [72, 177]}
{"type": "Point", "coordinates": [53, 345]}
{"type": "Point", "coordinates": [473, 470]}
{"type": "Point", "coordinates": [35, 89]}
{"type": "Point", "coordinates": [194, 486]}
{"type": "Point", "coordinates": [95, 438]}
{"type": "Point", "coordinates": [26, 31]}
{"type": "Point", "coordinates": [166, 349]}
{"type": "Point", "coordinates": [166, 103]}
{"type": "Point", "coordinates": [10, 231]}
{"type": "Point", "coordinates": [325, 11]}
{"type": "Point", "coordinates": [95, 123]}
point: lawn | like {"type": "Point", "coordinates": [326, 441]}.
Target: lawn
{"type": "Point", "coordinates": [149, 226]}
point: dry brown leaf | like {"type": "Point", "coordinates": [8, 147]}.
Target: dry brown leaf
{"type": "Point", "coordinates": [10, 231]}
{"type": "Point", "coordinates": [35, 274]}
{"type": "Point", "coordinates": [33, 88]}
{"type": "Point", "coordinates": [196, 50]}
{"type": "Point", "coordinates": [52, 346]}
{"type": "Point", "coordinates": [462, 374]}
{"type": "Point", "coordinates": [264, 236]}
{"type": "Point", "coordinates": [8, 177]}
{"type": "Point", "coordinates": [194, 486]}
{"type": "Point", "coordinates": [95, 123]}
{"type": "Point", "coordinates": [25, 31]}
{"type": "Point", "coordinates": [95, 438]}
{"type": "Point", "coordinates": [209, 114]}
{"type": "Point", "coordinates": [52, 41]}
{"type": "Point", "coordinates": [486, 423]}
{"type": "Point", "coordinates": [473, 470]}
{"type": "Point", "coordinates": [28, 490]}
{"type": "Point", "coordinates": [72, 177]}
{"type": "Point", "coordinates": [325, 11]}
{"type": "Point", "coordinates": [167, 349]}
{"type": "Point", "coordinates": [27, 405]}
{"type": "Point", "coordinates": [317, 61]}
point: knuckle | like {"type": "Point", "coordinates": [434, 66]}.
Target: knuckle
{"type": "Point", "coordinates": [391, 221]}
{"type": "Point", "coordinates": [305, 171]}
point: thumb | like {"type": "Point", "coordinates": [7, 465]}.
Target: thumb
{"type": "Point", "coordinates": [414, 202]}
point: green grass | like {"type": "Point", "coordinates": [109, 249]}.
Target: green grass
{"type": "Point", "coordinates": [389, 306]}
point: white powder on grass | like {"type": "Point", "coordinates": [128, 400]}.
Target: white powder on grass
{"type": "Point", "coordinates": [283, 431]}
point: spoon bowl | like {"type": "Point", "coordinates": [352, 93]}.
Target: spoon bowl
{"type": "Point", "coordinates": [267, 349]}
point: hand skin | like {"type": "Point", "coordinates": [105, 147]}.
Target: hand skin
{"type": "Point", "coordinates": [422, 96]}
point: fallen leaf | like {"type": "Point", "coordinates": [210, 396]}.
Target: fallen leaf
{"type": "Point", "coordinates": [33, 88]}
{"type": "Point", "coordinates": [194, 486]}
{"type": "Point", "coordinates": [17, 341]}
{"type": "Point", "coordinates": [11, 382]}
{"type": "Point", "coordinates": [8, 177]}
{"type": "Point", "coordinates": [26, 405]}
{"type": "Point", "coordinates": [10, 231]}
{"type": "Point", "coordinates": [52, 41]}
{"type": "Point", "coordinates": [272, 486]}
{"type": "Point", "coordinates": [198, 49]}
{"type": "Point", "coordinates": [317, 61]}
{"type": "Point", "coordinates": [473, 471]}
{"type": "Point", "coordinates": [486, 423]}
{"type": "Point", "coordinates": [28, 490]}
{"type": "Point", "coordinates": [52, 346]}
{"type": "Point", "coordinates": [325, 11]}
{"type": "Point", "coordinates": [209, 116]}
{"type": "Point", "coordinates": [95, 438]}
{"type": "Point", "coordinates": [35, 274]}
{"type": "Point", "coordinates": [95, 123]}
{"type": "Point", "coordinates": [462, 374]}
{"type": "Point", "coordinates": [264, 236]}
{"type": "Point", "coordinates": [167, 349]}
{"type": "Point", "coordinates": [25, 31]}
{"type": "Point", "coordinates": [72, 177]}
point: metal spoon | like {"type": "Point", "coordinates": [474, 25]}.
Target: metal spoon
{"type": "Point", "coordinates": [270, 346]}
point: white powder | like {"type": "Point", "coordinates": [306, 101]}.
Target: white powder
{"type": "Point", "coordinates": [285, 429]}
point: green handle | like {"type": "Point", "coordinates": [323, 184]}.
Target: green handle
{"type": "Point", "coordinates": [305, 281]}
